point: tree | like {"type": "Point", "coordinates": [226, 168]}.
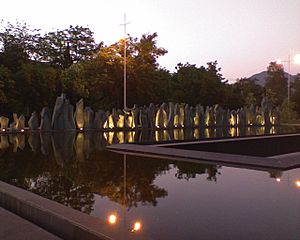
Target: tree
{"type": "Point", "coordinates": [145, 78]}
{"type": "Point", "coordinates": [66, 47]}
{"type": "Point", "coordinates": [7, 90]}
{"type": "Point", "coordinates": [6, 84]}
{"type": "Point", "coordinates": [277, 82]}
{"type": "Point", "coordinates": [296, 93]}
{"type": "Point", "coordinates": [37, 86]}
{"type": "Point", "coordinates": [250, 92]}
{"type": "Point", "coordinates": [18, 45]}
{"type": "Point", "coordinates": [195, 85]}
{"type": "Point", "coordinates": [74, 82]}
{"type": "Point", "coordinates": [288, 113]}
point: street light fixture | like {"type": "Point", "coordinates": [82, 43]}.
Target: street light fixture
{"type": "Point", "coordinates": [297, 59]}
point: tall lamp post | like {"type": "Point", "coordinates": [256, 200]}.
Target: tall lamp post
{"type": "Point", "coordinates": [125, 59]}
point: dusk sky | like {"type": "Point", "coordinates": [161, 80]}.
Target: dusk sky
{"type": "Point", "coordinates": [242, 35]}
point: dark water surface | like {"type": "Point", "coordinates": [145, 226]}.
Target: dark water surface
{"type": "Point", "coordinates": [171, 200]}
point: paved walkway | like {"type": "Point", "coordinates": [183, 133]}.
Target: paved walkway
{"type": "Point", "coordinates": [13, 227]}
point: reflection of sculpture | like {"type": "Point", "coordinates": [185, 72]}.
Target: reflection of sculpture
{"type": "Point", "coordinates": [18, 141]}
{"type": "Point", "coordinates": [34, 141]}
{"type": "Point", "coordinates": [45, 143]}
{"type": "Point", "coordinates": [62, 145]}
{"type": "Point", "coordinates": [3, 142]}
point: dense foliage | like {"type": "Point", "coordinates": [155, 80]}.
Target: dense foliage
{"type": "Point", "coordinates": [35, 68]}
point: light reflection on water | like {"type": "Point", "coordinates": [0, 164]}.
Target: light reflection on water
{"type": "Point", "coordinates": [69, 140]}
{"type": "Point", "coordinates": [171, 200]}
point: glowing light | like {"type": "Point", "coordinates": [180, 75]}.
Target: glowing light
{"type": "Point", "coordinates": [105, 125]}
{"type": "Point", "coordinates": [136, 227]}
{"type": "Point", "coordinates": [121, 120]}
{"type": "Point", "coordinates": [81, 128]}
{"type": "Point", "coordinates": [130, 122]}
{"type": "Point", "coordinates": [112, 219]}
{"type": "Point", "coordinates": [110, 122]}
{"type": "Point", "coordinates": [3, 129]}
{"type": "Point", "coordinates": [297, 183]}
{"type": "Point", "coordinates": [297, 59]}
{"type": "Point", "coordinates": [22, 130]}
{"type": "Point", "coordinates": [278, 179]}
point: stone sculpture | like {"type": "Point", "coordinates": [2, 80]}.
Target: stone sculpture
{"type": "Point", "coordinates": [161, 119]}
{"type": "Point", "coordinates": [121, 119]}
{"type": "Point", "coordinates": [33, 122]}
{"type": "Point", "coordinates": [88, 118]}
{"type": "Point", "coordinates": [45, 119]}
{"type": "Point", "coordinates": [3, 123]}
{"type": "Point", "coordinates": [219, 116]}
{"type": "Point", "coordinates": [170, 123]}
{"type": "Point", "coordinates": [57, 122]}
{"type": "Point", "coordinates": [79, 115]}
{"type": "Point", "coordinates": [165, 116]}
{"type": "Point", "coordinates": [135, 116]}
{"type": "Point", "coordinates": [100, 119]}
{"type": "Point", "coordinates": [186, 116]}
{"type": "Point", "coordinates": [151, 115]}
{"type": "Point", "coordinates": [143, 118]}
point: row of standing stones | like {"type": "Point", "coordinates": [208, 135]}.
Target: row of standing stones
{"type": "Point", "coordinates": [165, 116]}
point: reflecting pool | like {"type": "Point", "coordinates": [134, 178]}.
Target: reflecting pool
{"type": "Point", "coordinates": [149, 198]}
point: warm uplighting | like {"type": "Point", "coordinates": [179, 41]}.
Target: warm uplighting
{"type": "Point", "coordinates": [297, 183]}
{"type": "Point", "coordinates": [3, 129]}
{"type": "Point", "coordinates": [297, 59]}
{"type": "Point", "coordinates": [136, 227]}
{"type": "Point", "coordinates": [22, 130]}
{"type": "Point", "coordinates": [112, 219]}
{"type": "Point", "coordinates": [81, 128]}
{"type": "Point", "coordinates": [278, 180]}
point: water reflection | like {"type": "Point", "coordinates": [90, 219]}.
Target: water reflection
{"type": "Point", "coordinates": [70, 168]}
{"type": "Point", "coordinates": [75, 169]}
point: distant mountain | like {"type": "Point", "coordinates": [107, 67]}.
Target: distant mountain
{"type": "Point", "coordinates": [262, 76]}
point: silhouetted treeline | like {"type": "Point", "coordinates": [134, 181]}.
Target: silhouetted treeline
{"type": "Point", "coordinates": [35, 68]}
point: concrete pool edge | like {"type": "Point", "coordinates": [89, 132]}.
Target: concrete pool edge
{"type": "Point", "coordinates": [280, 162]}
{"type": "Point", "coordinates": [55, 218]}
